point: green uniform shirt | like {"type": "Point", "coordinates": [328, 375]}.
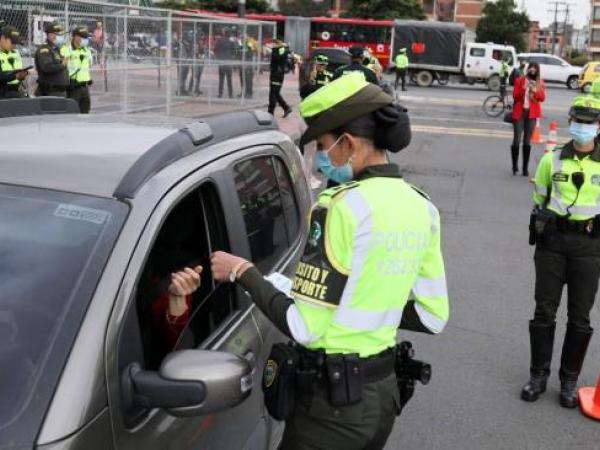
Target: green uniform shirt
{"type": "Point", "coordinates": [373, 245]}
{"type": "Point", "coordinates": [401, 61]}
{"type": "Point", "coordinates": [11, 61]}
{"type": "Point", "coordinates": [554, 175]}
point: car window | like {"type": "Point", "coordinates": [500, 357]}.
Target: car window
{"type": "Point", "coordinates": [190, 233]}
{"type": "Point", "coordinates": [269, 207]}
{"type": "Point", "coordinates": [53, 247]}
{"type": "Point", "coordinates": [477, 52]}
{"type": "Point", "coordinates": [597, 68]}
{"type": "Point", "coordinates": [552, 61]}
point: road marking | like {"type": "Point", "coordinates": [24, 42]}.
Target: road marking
{"type": "Point", "coordinates": [474, 132]}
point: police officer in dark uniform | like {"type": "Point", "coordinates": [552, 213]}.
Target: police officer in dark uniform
{"type": "Point", "coordinates": [318, 77]}
{"type": "Point", "coordinates": [356, 64]}
{"type": "Point", "coordinates": [51, 66]}
{"type": "Point", "coordinates": [565, 226]}
{"type": "Point", "coordinates": [279, 60]}
{"type": "Point", "coordinates": [12, 72]}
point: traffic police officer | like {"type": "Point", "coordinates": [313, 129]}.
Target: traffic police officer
{"type": "Point", "coordinates": [53, 77]}
{"type": "Point", "coordinates": [12, 72]}
{"type": "Point", "coordinates": [504, 73]}
{"type": "Point", "coordinates": [356, 65]}
{"type": "Point", "coordinates": [374, 242]}
{"type": "Point", "coordinates": [566, 227]}
{"type": "Point", "coordinates": [318, 78]}
{"type": "Point", "coordinates": [279, 61]}
{"type": "Point", "coordinates": [401, 62]}
{"type": "Point", "coordinates": [79, 60]}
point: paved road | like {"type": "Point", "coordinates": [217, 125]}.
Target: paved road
{"type": "Point", "coordinates": [481, 360]}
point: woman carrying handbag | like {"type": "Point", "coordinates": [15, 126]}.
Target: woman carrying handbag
{"type": "Point", "coordinates": [528, 94]}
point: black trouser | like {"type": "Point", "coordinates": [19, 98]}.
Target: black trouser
{"type": "Point", "coordinates": [198, 69]}
{"type": "Point", "coordinates": [572, 259]}
{"type": "Point", "coordinates": [275, 97]}
{"type": "Point", "coordinates": [365, 425]}
{"type": "Point", "coordinates": [183, 77]}
{"type": "Point", "coordinates": [50, 92]}
{"type": "Point", "coordinates": [400, 74]}
{"type": "Point", "coordinates": [225, 71]}
{"type": "Point", "coordinates": [81, 94]}
{"type": "Point", "coordinates": [246, 81]}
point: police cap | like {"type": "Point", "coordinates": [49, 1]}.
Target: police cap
{"type": "Point", "coordinates": [339, 102]}
{"type": "Point", "coordinates": [81, 31]}
{"type": "Point", "coordinates": [356, 51]}
{"type": "Point", "coordinates": [322, 59]}
{"type": "Point", "coordinates": [54, 27]}
{"type": "Point", "coordinates": [585, 109]}
{"type": "Point", "coordinates": [11, 33]}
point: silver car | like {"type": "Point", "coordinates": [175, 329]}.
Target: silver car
{"type": "Point", "coordinates": [95, 214]}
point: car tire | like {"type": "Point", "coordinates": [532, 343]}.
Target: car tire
{"type": "Point", "coordinates": [573, 82]}
{"type": "Point", "coordinates": [586, 88]}
{"type": "Point", "coordinates": [493, 83]}
{"type": "Point", "coordinates": [424, 78]}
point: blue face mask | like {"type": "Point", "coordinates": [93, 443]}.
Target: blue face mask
{"type": "Point", "coordinates": [85, 42]}
{"type": "Point", "coordinates": [60, 40]}
{"type": "Point", "coordinates": [583, 133]}
{"type": "Point", "coordinates": [339, 174]}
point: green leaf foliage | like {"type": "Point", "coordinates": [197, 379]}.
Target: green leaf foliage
{"type": "Point", "coordinates": [501, 23]}
{"type": "Point", "coordinates": [386, 9]}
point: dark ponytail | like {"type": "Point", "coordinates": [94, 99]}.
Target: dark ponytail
{"type": "Point", "coordinates": [388, 128]}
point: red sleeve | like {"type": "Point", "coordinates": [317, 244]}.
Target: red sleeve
{"type": "Point", "coordinates": [519, 90]}
{"type": "Point", "coordinates": [168, 328]}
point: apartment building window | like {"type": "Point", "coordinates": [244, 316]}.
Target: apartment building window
{"type": "Point", "coordinates": [596, 12]}
{"type": "Point", "coordinates": [595, 36]}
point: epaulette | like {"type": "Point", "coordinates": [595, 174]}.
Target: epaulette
{"type": "Point", "coordinates": [334, 191]}
{"type": "Point", "coordinates": [43, 50]}
{"type": "Point", "coordinates": [420, 192]}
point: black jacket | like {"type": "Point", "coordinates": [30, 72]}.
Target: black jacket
{"type": "Point", "coordinates": [50, 68]}
{"type": "Point", "coordinates": [355, 66]}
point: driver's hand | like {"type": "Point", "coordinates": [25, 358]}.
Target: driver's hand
{"type": "Point", "coordinates": [22, 74]}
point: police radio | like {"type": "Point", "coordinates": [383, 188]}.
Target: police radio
{"type": "Point", "coordinates": [408, 371]}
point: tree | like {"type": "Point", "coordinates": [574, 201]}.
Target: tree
{"type": "Point", "coordinates": [305, 8]}
{"type": "Point", "coordinates": [501, 23]}
{"type": "Point", "coordinates": [387, 9]}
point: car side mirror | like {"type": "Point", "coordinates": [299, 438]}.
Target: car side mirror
{"type": "Point", "coordinates": [188, 383]}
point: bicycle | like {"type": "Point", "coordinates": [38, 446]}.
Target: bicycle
{"type": "Point", "coordinates": [495, 105]}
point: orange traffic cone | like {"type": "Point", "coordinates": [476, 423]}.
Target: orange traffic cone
{"type": "Point", "coordinates": [552, 140]}
{"type": "Point", "coordinates": [537, 136]}
{"type": "Point", "coordinates": [589, 400]}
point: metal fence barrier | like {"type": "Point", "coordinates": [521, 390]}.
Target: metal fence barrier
{"type": "Point", "coordinates": [152, 59]}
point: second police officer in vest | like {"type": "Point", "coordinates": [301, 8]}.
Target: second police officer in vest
{"type": "Point", "coordinates": [318, 77]}
{"type": "Point", "coordinates": [372, 264]}
{"type": "Point", "coordinates": [566, 226]}
{"type": "Point", "coordinates": [51, 66]}
{"type": "Point", "coordinates": [79, 61]}
{"type": "Point", "coordinates": [12, 72]}
{"type": "Point", "coordinates": [356, 65]}
{"type": "Point", "coordinates": [401, 62]}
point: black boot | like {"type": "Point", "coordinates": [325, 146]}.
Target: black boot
{"type": "Point", "coordinates": [526, 153]}
{"type": "Point", "coordinates": [541, 338]}
{"type": "Point", "coordinates": [573, 353]}
{"type": "Point", "coordinates": [514, 153]}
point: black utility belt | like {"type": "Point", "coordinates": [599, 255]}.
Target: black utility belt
{"type": "Point", "coordinates": [543, 221]}
{"type": "Point", "coordinates": [564, 225]}
{"type": "Point", "coordinates": [293, 370]}
{"type": "Point", "coordinates": [76, 84]}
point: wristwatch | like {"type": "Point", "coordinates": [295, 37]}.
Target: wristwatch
{"type": "Point", "coordinates": [234, 272]}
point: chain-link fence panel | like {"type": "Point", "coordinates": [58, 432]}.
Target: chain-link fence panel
{"type": "Point", "coordinates": [152, 59]}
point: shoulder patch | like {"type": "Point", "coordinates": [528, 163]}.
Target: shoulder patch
{"type": "Point", "coordinates": [43, 50]}
{"type": "Point", "coordinates": [419, 191]}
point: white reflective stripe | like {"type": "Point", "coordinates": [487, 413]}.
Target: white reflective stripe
{"type": "Point", "coordinates": [579, 210]}
{"type": "Point", "coordinates": [433, 213]}
{"type": "Point", "coordinates": [297, 325]}
{"type": "Point", "coordinates": [556, 167]}
{"type": "Point", "coordinates": [362, 236]}
{"type": "Point", "coordinates": [541, 190]}
{"type": "Point", "coordinates": [425, 287]}
{"type": "Point", "coordinates": [431, 321]}
{"type": "Point", "coordinates": [368, 320]}
{"type": "Point", "coordinates": [557, 206]}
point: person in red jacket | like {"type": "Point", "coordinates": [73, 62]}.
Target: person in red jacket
{"type": "Point", "coordinates": [528, 94]}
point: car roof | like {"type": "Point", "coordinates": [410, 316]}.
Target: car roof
{"type": "Point", "coordinates": [538, 54]}
{"type": "Point", "coordinates": [108, 156]}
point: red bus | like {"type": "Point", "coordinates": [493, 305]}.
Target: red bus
{"type": "Point", "coordinates": [376, 35]}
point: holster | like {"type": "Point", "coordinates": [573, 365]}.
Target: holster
{"type": "Point", "coordinates": [279, 381]}
{"type": "Point", "coordinates": [538, 224]}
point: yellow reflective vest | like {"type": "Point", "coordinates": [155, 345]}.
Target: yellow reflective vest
{"type": "Point", "coordinates": [79, 62]}
{"type": "Point", "coordinates": [10, 61]}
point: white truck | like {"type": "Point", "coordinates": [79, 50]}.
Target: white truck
{"type": "Point", "coordinates": [437, 50]}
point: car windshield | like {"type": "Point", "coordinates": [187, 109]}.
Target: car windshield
{"type": "Point", "coordinates": [53, 247]}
